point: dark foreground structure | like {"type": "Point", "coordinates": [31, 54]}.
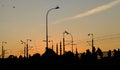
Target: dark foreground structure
{"type": "Point", "coordinates": [68, 59]}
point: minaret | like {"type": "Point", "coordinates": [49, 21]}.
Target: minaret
{"type": "Point", "coordinates": [76, 51]}
{"type": "Point", "coordinates": [57, 48]}
{"type": "Point", "coordinates": [63, 44]}
{"type": "Point", "coordinates": [60, 48]}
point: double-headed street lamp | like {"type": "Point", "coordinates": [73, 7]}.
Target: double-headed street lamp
{"type": "Point", "coordinates": [47, 24]}
{"type": "Point", "coordinates": [25, 47]}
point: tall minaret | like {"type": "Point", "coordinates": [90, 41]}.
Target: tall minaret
{"type": "Point", "coordinates": [57, 48]}
{"type": "Point", "coordinates": [60, 48]}
{"type": "Point", "coordinates": [63, 44]}
{"type": "Point", "coordinates": [76, 51]}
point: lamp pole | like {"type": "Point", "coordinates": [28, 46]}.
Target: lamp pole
{"type": "Point", "coordinates": [92, 42]}
{"type": "Point", "coordinates": [22, 42]}
{"type": "Point", "coordinates": [47, 24]}
{"type": "Point", "coordinates": [64, 40]}
{"type": "Point", "coordinates": [72, 41]}
{"type": "Point", "coordinates": [65, 32]}
{"type": "Point", "coordinates": [25, 47]}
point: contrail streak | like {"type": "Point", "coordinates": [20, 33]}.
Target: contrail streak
{"type": "Point", "coordinates": [92, 11]}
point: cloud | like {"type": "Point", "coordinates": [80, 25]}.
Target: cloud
{"type": "Point", "coordinates": [92, 11]}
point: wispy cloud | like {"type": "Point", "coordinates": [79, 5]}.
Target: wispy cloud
{"type": "Point", "coordinates": [92, 11]}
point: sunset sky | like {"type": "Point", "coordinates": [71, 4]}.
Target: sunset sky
{"type": "Point", "coordinates": [79, 17]}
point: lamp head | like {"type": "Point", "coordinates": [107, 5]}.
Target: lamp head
{"type": "Point", "coordinates": [13, 6]}
{"type": "Point", "coordinates": [57, 7]}
{"type": "Point", "coordinates": [5, 42]}
{"type": "Point", "coordinates": [21, 42]}
{"type": "Point", "coordinates": [66, 32]}
{"type": "Point", "coordinates": [88, 34]}
{"type": "Point", "coordinates": [30, 40]}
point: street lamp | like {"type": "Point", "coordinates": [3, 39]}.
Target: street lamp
{"type": "Point", "coordinates": [93, 48]}
{"type": "Point", "coordinates": [25, 47]}
{"type": "Point", "coordinates": [64, 40]}
{"type": "Point", "coordinates": [3, 49]}
{"type": "Point", "coordinates": [22, 42]}
{"type": "Point", "coordinates": [65, 32]}
{"type": "Point", "coordinates": [47, 25]}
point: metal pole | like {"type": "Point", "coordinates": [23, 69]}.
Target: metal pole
{"type": "Point", "coordinates": [22, 42]}
{"type": "Point", "coordinates": [72, 41]}
{"type": "Point", "coordinates": [64, 40]}
{"type": "Point", "coordinates": [27, 47]}
{"type": "Point", "coordinates": [92, 41]}
{"type": "Point", "coordinates": [93, 50]}
{"type": "Point", "coordinates": [47, 25]}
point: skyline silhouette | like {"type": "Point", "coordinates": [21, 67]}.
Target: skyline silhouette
{"type": "Point", "coordinates": [69, 60]}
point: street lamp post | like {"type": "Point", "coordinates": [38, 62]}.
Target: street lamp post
{"type": "Point", "coordinates": [64, 40]}
{"type": "Point", "coordinates": [71, 41]}
{"type": "Point", "coordinates": [22, 42]}
{"type": "Point", "coordinates": [92, 42]}
{"type": "Point", "coordinates": [26, 47]}
{"type": "Point", "coordinates": [47, 25]}
{"type": "Point", "coordinates": [3, 52]}
{"type": "Point", "coordinates": [65, 32]}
